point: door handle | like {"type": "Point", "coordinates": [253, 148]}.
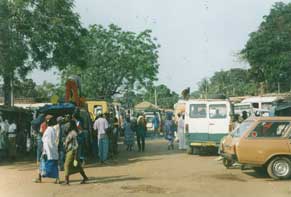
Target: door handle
{"type": "Point", "coordinates": [211, 124]}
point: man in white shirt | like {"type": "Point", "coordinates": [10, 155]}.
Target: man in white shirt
{"type": "Point", "coordinates": [181, 134]}
{"type": "Point", "coordinates": [101, 125]}
{"type": "Point", "coordinates": [12, 140]}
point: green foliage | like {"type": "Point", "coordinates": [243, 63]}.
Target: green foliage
{"type": "Point", "coordinates": [234, 82]}
{"type": "Point", "coordinates": [37, 33]}
{"type": "Point", "coordinates": [165, 97]}
{"type": "Point", "coordinates": [47, 90]}
{"type": "Point", "coordinates": [117, 61]}
{"type": "Point", "coordinates": [268, 50]}
{"type": "Point", "coordinates": [25, 88]}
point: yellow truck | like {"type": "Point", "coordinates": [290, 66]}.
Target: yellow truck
{"type": "Point", "coordinates": [98, 106]}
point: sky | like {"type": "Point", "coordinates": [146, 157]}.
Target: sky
{"type": "Point", "coordinates": [197, 37]}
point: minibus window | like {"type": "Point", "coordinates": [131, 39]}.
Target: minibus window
{"type": "Point", "coordinates": [198, 111]}
{"type": "Point", "coordinates": [255, 105]}
{"type": "Point", "coordinates": [97, 109]}
{"type": "Point", "coordinates": [218, 111]}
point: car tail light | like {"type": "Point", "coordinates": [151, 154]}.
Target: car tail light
{"type": "Point", "coordinates": [187, 128]}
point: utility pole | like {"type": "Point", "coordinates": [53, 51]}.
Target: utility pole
{"type": "Point", "coordinates": [279, 88]}
{"type": "Point", "coordinates": [156, 99]}
{"type": "Point", "coordinates": [11, 93]}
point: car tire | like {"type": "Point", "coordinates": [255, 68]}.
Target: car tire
{"type": "Point", "coordinates": [279, 168]}
{"type": "Point", "coordinates": [227, 163]}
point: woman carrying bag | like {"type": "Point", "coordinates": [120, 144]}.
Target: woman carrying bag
{"type": "Point", "coordinates": [72, 163]}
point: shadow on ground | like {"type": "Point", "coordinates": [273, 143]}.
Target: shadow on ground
{"type": "Point", "coordinates": [108, 179]}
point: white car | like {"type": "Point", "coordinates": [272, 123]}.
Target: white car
{"type": "Point", "coordinates": [149, 119]}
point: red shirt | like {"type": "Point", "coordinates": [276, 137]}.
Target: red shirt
{"type": "Point", "coordinates": [43, 127]}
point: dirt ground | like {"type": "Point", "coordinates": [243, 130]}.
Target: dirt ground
{"type": "Point", "coordinates": [157, 172]}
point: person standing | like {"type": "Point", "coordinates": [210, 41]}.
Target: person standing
{"type": "Point", "coordinates": [60, 139]}
{"type": "Point", "coordinates": [101, 125]}
{"type": "Point", "coordinates": [169, 129]}
{"type": "Point", "coordinates": [180, 130]}
{"type": "Point", "coordinates": [72, 162]}
{"type": "Point", "coordinates": [141, 133]}
{"type": "Point", "coordinates": [156, 124]}
{"type": "Point", "coordinates": [128, 134]}
{"type": "Point", "coordinates": [43, 127]}
{"type": "Point", "coordinates": [12, 140]}
{"type": "Point", "coordinates": [115, 135]}
{"type": "Point", "coordinates": [49, 158]}
{"type": "Point", "coordinates": [109, 133]}
{"type": "Point", "coordinates": [2, 138]}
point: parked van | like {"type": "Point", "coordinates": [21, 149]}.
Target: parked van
{"type": "Point", "coordinates": [260, 102]}
{"type": "Point", "coordinates": [206, 122]}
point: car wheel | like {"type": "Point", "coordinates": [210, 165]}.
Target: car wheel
{"type": "Point", "coordinates": [227, 163]}
{"type": "Point", "coordinates": [279, 168]}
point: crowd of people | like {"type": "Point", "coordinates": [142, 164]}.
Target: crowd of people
{"type": "Point", "coordinates": [64, 143]}
{"type": "Point", "coordinates": [7, 138]}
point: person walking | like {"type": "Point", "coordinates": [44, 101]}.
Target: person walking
{"type": "Point", "coordinates": [180, 131]}
{"type": "Point", "coordinates": [128, 134]}
{"type": "Point", "coordinates": [72, 162]}
{"type": "Point", "coordinates": [101, 125]}
{"type": "Point", "coordinates": [49, 159]}
{"type": "Point", "coordinates": [141, 133]}
{"type": "Point", "coordinates": [169, 129]}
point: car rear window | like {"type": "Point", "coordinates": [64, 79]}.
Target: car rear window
{"type": "Point", "coordinates": [270, 129]}
{"type": "Point", "coordinates": [198, 111]}
{"type": "Point", "coordinates": [239, 131]}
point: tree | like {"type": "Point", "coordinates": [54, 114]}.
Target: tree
{"type": "Point", "coordinates": [233, 82]}
{"type": "Point", "coordinates": [268, 49]}
{"type": "Point", "coordinates": [165, 97]}
{"type": "Point", "coordinates": [46, 90]}
{"type": "Point", "coordinates": [37, 34]}
{"type": "Point", "coordinates": [25, 88]}
{"type": "Point", "coordinates": [117, 61]}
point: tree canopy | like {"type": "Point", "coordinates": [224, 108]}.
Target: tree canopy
{"type": "Point", "coordinates": [233, 82]}
{"type": "Point", "coordinates": [116, 60]}
{"type": "Point", "coordinates": [268, 49]}
{"type": "Point", "coordinates": [37, 34]}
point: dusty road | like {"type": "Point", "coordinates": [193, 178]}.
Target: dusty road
{"type": "Point", "coordinates": [158, 172]}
